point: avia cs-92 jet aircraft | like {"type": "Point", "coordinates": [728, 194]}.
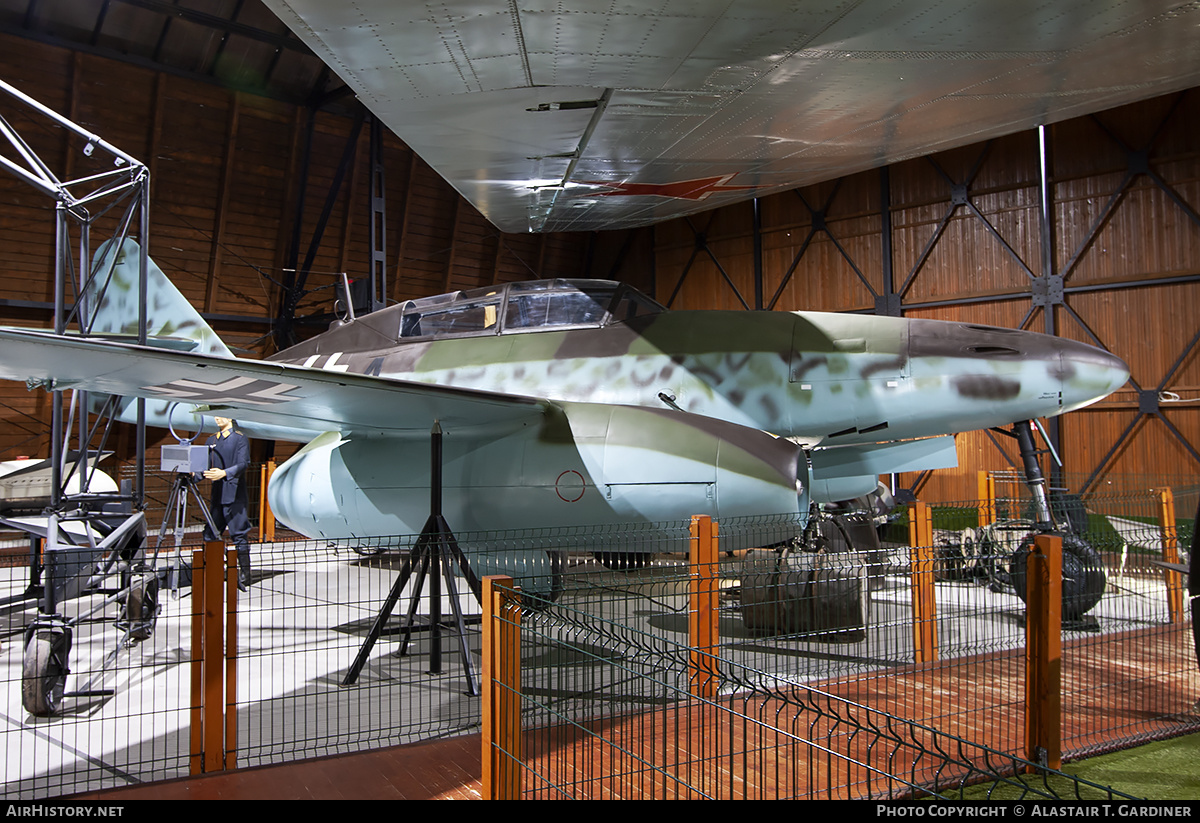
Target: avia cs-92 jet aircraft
{"type": "Point", "coordinates": [573, 402]}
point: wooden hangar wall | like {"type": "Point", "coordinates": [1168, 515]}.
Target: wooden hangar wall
{"type": "Point", "coordinates": [957, 236]}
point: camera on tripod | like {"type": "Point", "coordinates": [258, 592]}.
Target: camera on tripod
{"type": "Point", "coordinates": [187, 462]}
{"type": "Point", "coordinates": [185, 458]}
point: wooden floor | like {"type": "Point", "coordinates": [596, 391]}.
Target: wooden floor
{"type": "Point", "coordinates": [1119, 691]}
{"type": "Point", "coordinates": [436, 770]}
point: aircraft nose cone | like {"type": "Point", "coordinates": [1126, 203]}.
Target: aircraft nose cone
{"type": "Point", "coordinates": [1088, 374]}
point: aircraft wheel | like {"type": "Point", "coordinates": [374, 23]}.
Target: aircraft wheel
{"type": "Point", "coordinates": [44, 671]}
{"type": "Point", "coordinates": [623, 561]}
{"type": "Point", "coordinates": [957, 556]}
{"type": "Point", "coordinates": [1083, 575]}
{"type": "Point", "coordinates": [558, 567]}
{"type": "Point", "coordinates": [141, 607]}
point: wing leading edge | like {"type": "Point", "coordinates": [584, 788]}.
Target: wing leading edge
{"type": "Point", "coordinates": [293, 402]}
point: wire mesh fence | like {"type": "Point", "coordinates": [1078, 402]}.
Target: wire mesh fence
{"type": "Point", "coordinates": [833, 661]}
{"type": "Point", "coordinates": [608, 715]}
{"type": "Point", "coordinates": [130, 725]}
{"type": "Point", "coordinates": [823, 689]}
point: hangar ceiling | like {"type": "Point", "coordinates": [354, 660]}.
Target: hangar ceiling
{"type": "Point", "coordinates": [620, 115]}
{"type": "Point", "coordinates": [234, 43]}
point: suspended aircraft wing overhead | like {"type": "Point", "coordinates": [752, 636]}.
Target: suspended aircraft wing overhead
{"type": "Point", "coordinates": [304, 401]}
{"type": "Point", "coordinates": [591, 114]}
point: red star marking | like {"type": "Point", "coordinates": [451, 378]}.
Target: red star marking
{"type": "Point", "coordinates": [697, 189]}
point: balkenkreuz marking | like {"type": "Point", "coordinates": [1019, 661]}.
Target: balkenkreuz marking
{"type": "Point", "coordinates": [245, 390]}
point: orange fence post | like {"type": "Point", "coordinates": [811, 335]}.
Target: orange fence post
{"type": "Point", "coordinates": [230, 703]}
{"type": "Point", "coordinates": [987, 499]}
{"type": "Point", "coordinates": [1170, 553]}
{"type": "Point", "coordinates": [1043, 651]}
{"type": "Point", "coordinates": [702, 609]}
{"type": "Point", "coordinates": [501, 690]}
{"type": "Point", "coordinates": [196, 749]}
{"type": "Point", "coordinates": [213, 675]}
{"type": "Point", "coordinates": [924, 600]}
{"type": "Point", "coordinates": [266, 518]}
{"type": "Point", "coordinates": [213, 615]}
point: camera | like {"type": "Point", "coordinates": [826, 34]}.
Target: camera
{"type": "Point", "coordinates": [185, 458]}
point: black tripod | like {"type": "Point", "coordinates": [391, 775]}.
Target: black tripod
{"type": "Point", "coordinates": [435, 547]}
{"type": "Point", "coordinates": [184, 484]}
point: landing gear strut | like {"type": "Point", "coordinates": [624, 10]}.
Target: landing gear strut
{"type": "Point", "coordinates": [1083, 578]}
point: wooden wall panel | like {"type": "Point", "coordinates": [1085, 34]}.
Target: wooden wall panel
{"type": "Point", "coordinates": [474, 250]}
{"type": "Point", "coordinates": [1114, 238]}
{"type": "Point", "coordinates": [517, 256]}
{"type": "Point", "coordinates": [838, 270]}
{"type": "Point", "coordinates": [566, 256]}
{"type": "Point", "coordinates": [27, 221]}
{"type": "Point", "coordinates": [428, 226]}
{"type": "Point", "coordinates": [255, 209]}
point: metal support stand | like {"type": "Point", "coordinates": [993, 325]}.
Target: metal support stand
{"type": "Point", "coordinates": [97, 186]}
{"type": "Point", "coordinates": [436, 547]}
{"type": "Point", "coordinates": [183, 485]}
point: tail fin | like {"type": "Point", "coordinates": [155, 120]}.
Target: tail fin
{"type": "Point", "coordinates": [113, 301]}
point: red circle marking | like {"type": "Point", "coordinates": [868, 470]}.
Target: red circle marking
{"type": "Point", "coordinates": [570, 486]}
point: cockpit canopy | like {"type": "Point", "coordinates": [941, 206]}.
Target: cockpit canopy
{"type": "Point", "coordinates": [515, 308]}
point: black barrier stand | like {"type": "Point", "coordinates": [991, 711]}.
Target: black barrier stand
{"type": "Point", "coordinates": [436, 547]}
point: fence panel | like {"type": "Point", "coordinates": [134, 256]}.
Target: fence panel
{"type": "Point", "coordinates": [609, 669]}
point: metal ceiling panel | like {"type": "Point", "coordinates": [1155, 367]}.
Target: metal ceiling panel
{"type": "Point", "coordinates": [701, 103]}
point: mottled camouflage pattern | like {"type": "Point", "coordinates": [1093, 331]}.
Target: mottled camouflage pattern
{"type": "Point", "coordinates": [833, 378]}
{"type": "Point", "coordinates": [114, 291]}
{"type": "Point", "coordinates": [114, 296]}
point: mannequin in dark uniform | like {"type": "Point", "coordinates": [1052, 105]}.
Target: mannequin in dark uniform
{"type": "Point", "coordinates": [228, 457]}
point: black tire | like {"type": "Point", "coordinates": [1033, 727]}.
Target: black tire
{"type": "Point", "coordinates": [558, 569]}
{"type": "Point", "coordinates": [958, 560]}
{"type": "Point", "coordinates": [623, 561]}
{"type": "Point", "coordinates": [141, 607]}
{"type": "Point", "coordinates": [1083, 574]}
{"type": "Point", "coordinates": [44, 672]}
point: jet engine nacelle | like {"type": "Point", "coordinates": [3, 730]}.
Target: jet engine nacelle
{"type": "Point", "coordinates": [580, 465]}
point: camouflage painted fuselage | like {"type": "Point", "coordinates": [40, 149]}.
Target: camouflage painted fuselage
{"type": "Point", "coordinates": [668, 414]}
{"type": "Point", "coordinates": [819, 377]}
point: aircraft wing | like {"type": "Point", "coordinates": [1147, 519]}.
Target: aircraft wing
{"type": "Point", "coordinates": [594, 115]}
{"type": "Point", "coordinates": [301, 400]}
